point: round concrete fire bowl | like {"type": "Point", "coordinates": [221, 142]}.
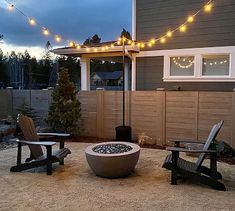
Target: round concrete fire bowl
{"type": "Point", "coordinates": [112, 159]}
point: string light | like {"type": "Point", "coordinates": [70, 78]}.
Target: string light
{"type": "Point", "coordinates": [183, 28]}
{"type": "Point", "coordinates": [169, 34]}
{"type": "Point", "coordinates": [182, 66]}
{"type": "Point", "coordinates": [78, 47]}
{"type": "Point", "coordinates": [141, 44]}
{"type": "Point", "coordinates": [190, 19]}
{"type": "Point", "coordinates": [46, 32]}
{"type": "Point", "coordinates": [163, 40]}
{"type": "Point", "coordinates": [58, 38]}
{"type": "Point", "coordinates": [72, 44]}
{"type": "Point", "coordinates": [216, 63]}
{"type": "Point", "coordinates": [32, 22]}
{"type": "Point", "coordinates": [153, 41]}
{"type": "Point", "coordinates": [10, 7]}
{"type": "Point", "coordinates": [208, 7]}
{"type": "Point", "coordinates": [150, 44]}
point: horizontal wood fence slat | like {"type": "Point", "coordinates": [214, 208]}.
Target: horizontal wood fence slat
{"type": "Point", "coordinates": [159, 115]}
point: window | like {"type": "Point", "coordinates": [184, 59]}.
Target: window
{"type": "Point", "coordinates": [198, 64]}
{"type": "Point", "coordinates": [215, 65]}
{"type": "Point", "coordinates": [182, 66]}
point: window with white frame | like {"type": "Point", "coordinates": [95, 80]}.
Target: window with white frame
{"type": "Point", "coordinates": [204, 64]}
{"type": "Point", "coordinates": [215, 65]}
{"type": "Point", "coordinates": [182, 66]}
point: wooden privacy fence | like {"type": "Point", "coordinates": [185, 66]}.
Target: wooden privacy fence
{"type": "Point", "coordinates": [160, 115]}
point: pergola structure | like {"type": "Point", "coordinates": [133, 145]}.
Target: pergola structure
{"type": "Point", "coordinates": [96, 51]}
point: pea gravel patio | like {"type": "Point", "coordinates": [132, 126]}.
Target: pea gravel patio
{"type": "Point", "coordinates": [75, 187]}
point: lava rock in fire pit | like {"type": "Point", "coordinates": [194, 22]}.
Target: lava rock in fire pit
{"type": "Point", "coordinates": [112, 148]}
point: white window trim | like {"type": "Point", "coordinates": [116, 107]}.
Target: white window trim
{"type": "Point", "coordinates": [197, 53]}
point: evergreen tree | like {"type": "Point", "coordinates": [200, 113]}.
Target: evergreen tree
{"type": "Point", "coordinates": [65, 111]}
{"type": "Point", "coordinates": [3, 68]}
{"type": "Point", "coordinates": [126, 34]}
{"type": "Point", "coordinates": [95, 39]}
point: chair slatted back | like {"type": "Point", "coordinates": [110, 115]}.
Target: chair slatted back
{"type": "Point", "coordinates": [29, 132]}
{"type": "Point", "coordinates": [210, 139]}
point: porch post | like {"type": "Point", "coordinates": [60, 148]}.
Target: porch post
{"type": "Point", "coordinates": [133, 74]}
{"type": "Point", "coordinates": [126, 72]}
{"type": "Point", "coordinates": [85, 74]}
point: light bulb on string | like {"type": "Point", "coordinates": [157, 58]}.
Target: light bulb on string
{"type": "Point", "coordinates": [150, 44]}
{"type": "Point", "coordinates": [71, 44]}
{"type": "Point", "coordinates": [183, 28]}
{"type": "Point", "coordinates": [153, 41]}
{"type": "Point", "coordinates": [208, 7]}
{"type": "Point", "coordinates": [10, 7]}
{"type": "Point", "coordinates": [190, 19]}
{"type": "Point", "coordinates": [169, 34]}
{"type": "Point", "coordinates": [57, 38]}
{"type": "Point", "coordinates": [163, 40]}
{"type": "Point", "coordinates": [32, 22]}
{"type": "Point", "coordinates": [78, 47]}
{"type": "Point", "coordinates": [46, 32]}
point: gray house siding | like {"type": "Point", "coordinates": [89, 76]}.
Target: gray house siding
{"type": "Point", "coordinates": [150, 73]}
{"type": "Point", "coordinates": [155, 17]}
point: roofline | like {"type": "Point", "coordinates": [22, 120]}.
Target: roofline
{"type": "Point", "coordinates": [72, 51]}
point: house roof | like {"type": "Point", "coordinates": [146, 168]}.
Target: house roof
{"type": "Point", "coordinates": [96, 49]}
{"type": "Point", "coordinates": [109, 75]}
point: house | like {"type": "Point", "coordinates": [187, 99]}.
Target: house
{"type": "Point", "coordinates": [106, 78]}
{"type": "Point", "coordinates": [197, 53]}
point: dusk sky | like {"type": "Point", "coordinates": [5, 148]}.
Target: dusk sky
{"type": "Point", "coordinates": [73, 20]}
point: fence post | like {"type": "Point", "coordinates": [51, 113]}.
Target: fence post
{"type": "Point", "coordinates": [100, 113]}
{"type": "Point", "coordinates": [233, 120]}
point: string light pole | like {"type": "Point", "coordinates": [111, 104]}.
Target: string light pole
{"type": "Point", "coordinates": [123, 133]}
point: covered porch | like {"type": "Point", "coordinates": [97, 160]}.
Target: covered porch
{"type": "Point", "coordinates": [104, 53]}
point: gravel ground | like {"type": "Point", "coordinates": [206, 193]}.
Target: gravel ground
{"type": "Point", "coordinates": [75, 187]}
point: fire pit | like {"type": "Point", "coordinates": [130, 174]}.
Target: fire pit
{"type": "Point", "coordinates": [112, 159]}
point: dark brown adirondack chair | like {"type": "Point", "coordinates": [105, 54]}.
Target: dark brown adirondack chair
{"type": "Point", "coordinates": [37, 157]}
{"type": "Point", "coordinates": [183, 169]}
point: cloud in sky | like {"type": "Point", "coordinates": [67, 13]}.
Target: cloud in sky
{"type": "Point", "coordinates": [73, 19]}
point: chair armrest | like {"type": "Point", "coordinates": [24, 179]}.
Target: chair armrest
{"type": "Point", "coordinates": [43, 143]}
{"type": "Point", "coordinates": [187, 141]}
{"type": "Point", "coordinates": [54, 134]}
{"type": "Point", "coordinates": [178, 149]}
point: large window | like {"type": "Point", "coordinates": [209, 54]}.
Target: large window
{"type": "Point", "coordinates": [202, 64]}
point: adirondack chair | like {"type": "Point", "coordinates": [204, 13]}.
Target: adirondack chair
{"type": "Point", "coordinates": [183, 169]}
{"type": "Point", "coordinates": [37, 156]}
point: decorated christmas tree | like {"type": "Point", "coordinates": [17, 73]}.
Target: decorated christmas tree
{"type": "Point", "coordinates": [65, 111]}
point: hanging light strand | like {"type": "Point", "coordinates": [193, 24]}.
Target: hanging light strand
{"type": "Point", "coordinates": [181, 28]}
{"type": "Point", "coordinates": [32, 21]}
{"type": "Point", "coordinates": [141, 43]}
